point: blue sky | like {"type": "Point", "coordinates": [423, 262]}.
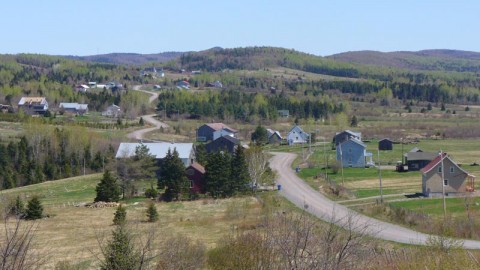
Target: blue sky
{"type": "Point", "coordinates": [319, 27]}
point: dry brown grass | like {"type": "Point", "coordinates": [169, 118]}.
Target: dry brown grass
{"type": "Point", "coordinates": [72, 233]}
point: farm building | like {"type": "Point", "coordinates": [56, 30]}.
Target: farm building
{"type": "Point", "coordinates": [225, 143]}
{"type": "Point", "coordinates": [297, 136]}
{"type": "Point", "coordinates": [33, 105]}
{"type": "Point", "coordinates": [159, 150]}
{"type": "Point", "coordinates": [213, 131]}
{"type": "Point", "coordinates": [385, 144]}
{"type": "Point", "coordinates": [73, 108]}
{"type": "Point", "coordinates": [353, 153]}
{"type": "Point", "coordinates": [442, 173]}
{"type": "Point", "coordinates": [274, 136]}
{"type": "Point", "coordinates": [346, 135]}
{"type": "Point", "coordinates": [195, 173]}
{"type": "Point", "coordinates": [112, 111]}
{"type": "Point", "coordinates": [283, 113]}
{"type": "Point", "coordinates": [417, 160]}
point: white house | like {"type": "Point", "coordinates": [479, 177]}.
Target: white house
{"type": "Point", "coordinates": [82, 88]}
{"type": "Point", "coordinates": [74, 108]}
{"type": "Point", "coordinates": [297, 135]}
{"type": "Point", "coordinates": [159, 150]}
{"type": "Point", "coordinates": [33, 105]}
{"type": "Point", "coordinates": [112, 111]}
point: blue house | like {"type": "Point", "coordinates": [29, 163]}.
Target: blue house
{"type": "Point", "coordinates": [353, 153]}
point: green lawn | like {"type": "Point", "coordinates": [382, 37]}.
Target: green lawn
{"type": "Point", "coordinates": [455, 206]}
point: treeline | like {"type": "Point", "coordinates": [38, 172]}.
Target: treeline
{"type": "Point", "coordinates": [44, 155]}
{"type": "Point", "coordinates": [243, 106]}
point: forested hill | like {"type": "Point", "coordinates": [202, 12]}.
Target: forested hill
{"type": "Point", "coordinates": [129, 58]}
{"type": "Point", "coordinates": [439, 60]}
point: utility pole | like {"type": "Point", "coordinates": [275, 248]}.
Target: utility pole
{"type": "Point", "coordinates": [380, 176]}
{"type": "Point", "coordinates": [326, 160]}
{"type": "Point", "coordinates": [443, 186]}
{"type": "Point", "coordinates": [341, 163]}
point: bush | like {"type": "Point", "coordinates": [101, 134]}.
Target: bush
{"type": "Point", "coordinates": [151, 193]}
{"type": "Point", "coordinates": [120, 216]}
{"type": "Point", "coordinates": [152, 213]}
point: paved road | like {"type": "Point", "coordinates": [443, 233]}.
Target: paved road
{"type": "Point", "coordinates": [149, 118]}
{"type": "Point", "coordinates": [303, 196]}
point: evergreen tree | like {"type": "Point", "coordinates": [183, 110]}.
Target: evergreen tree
{"type": "Point", "coordinates": [172, 176]}
{"type": "Point", "coordinates": [141, 122]}
{"type": "Point", "coordinates": [120, 216]}
{"type": "Point", "coordinates": [152, 213]}
{"type": "Point", "coordinates": [107, 189]}
{"type": "Point", "coordinates": [260, 135]}
{"type": "Point", "coordinates": [218, 174]}
{"type": "Point", "coordinates": [34, 209]}
{"type": "Point", "coordinates": [429, 106]}
{"type": "Point", "coordinates": [120, 253]}
{"type": "Point", "coordinates": [240, 177]}
{"type": "Point", "coordinates": [354, 122]}
{"type": "Point", "coordinates": [443, 107]}
{"type": "Point", "coordinates": [201, 154]}
{"type": "Point", "coordinates": [18, 207]}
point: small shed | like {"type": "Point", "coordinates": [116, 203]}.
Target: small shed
{"type": "Point", "coordinates": [385, 145]}
{"type": "Point", "coordinates": [195, 173]}
{"type": "Point", "coordinates": [225, 143]}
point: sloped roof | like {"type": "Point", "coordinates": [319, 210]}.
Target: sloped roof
{"type": "Point", "coordinates": [354, 141]}
{"type": "Point", "coordinates": [198, 167]}
{"type": "Point", "coordinates": [385, 139]}
{"type": "Point", "coordinates": [436, 161]}
{"type": "Point", "coordinates": [230, 138]}
{"type": "Point", "coordinates": [32, 100]}
{"type": "Point", "coordinates": [271, 132]}
{"type": "Point", "coordinates": [159, 150]}
{"type": "Point", "coordinates": [219, 126]}
{"type": "Point", "coordinates": [421, 156]}
{"type": "Point", "coordinates": [356, 134]}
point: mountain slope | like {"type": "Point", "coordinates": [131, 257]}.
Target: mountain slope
{"type": "Point", "coordinates": [128, 58]}
{"type": "Point", "coordinates": [441, 60]}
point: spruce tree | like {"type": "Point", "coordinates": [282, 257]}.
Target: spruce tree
{"type": "Point", "coordinates": [18, 207]}
{"type": "Point", "coordinates": [120, 216]}
{"type": "Point", "coordinates": [152, 213]}
{"type": "Point", "coordinates": [260, 135]}
{"type": "Point", "coordinates": [107, 189]}
{"type": "Point", "coordinates": [240, 177]}
{"type": "Point", "coordinates": [172, 176]}
{"type": "Point", "coordinates": [34, 209]}
{"type": "Point", "coordinates": [218, 174]}
{"type": "Point", "coordinates": [120, 253]}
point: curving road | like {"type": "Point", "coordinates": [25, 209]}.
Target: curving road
{"type": "Point", "coordinates": [303, 196]}
{"type": "Point", "coordinates": [149, 118]}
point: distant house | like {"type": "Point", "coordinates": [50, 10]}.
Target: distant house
{"type": "Point", "coordinates": [114, 86]}
{"type": "Point", "coordinates": [352, 153]}
{"type": "Point", "coordinates": [112, 111]}
{"type": "Point", "coordinates": [212, 131]}
{"type": "Point", "coordinates": [92, 84]}
{"type": "Point", "coordinates": [183, 85]}
{"type": "Point", "coordinates": [153, 72]}
{"type": "Point", "coordinates": [82, 88]}
{"type": "Point", "coordinates": [216, 84]}
{"type": "Point", "coordinates": [385, 144]}
{"type": "Point", "coordinates": [73, 108]}
{"type": "Point", "coordinates": [346, 135]}
{"type": "Point", "coordinates": [283, 113]}
{"type": "Point", "coordinates": [196, 72]}
{"type": "Point", "coordinates": [274, 136]}
{"type": "Point", "coordinates": [455, 180]}
{"type": "Point", "coordinates": [196, 174]}
{"type": "Point", "coordinates": [225, 143]}
{"type": "Point", "coordinates": [33, 105]}
{"type": "Point", "coordinates": [159, 150]}
{"type": "Point", "coordinates": [417, 160]}
{"type": "Point", "coordinates": [297, 136]}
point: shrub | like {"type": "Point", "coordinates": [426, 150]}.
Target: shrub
{"type": "Point", "coordinates": [120, 216]}
{"type": "Point", "coordinates": [151, 192]}
{"type": "Point", "coordinates": [152, 213]}
{"type": "Point", "coordinates": [34, 209]}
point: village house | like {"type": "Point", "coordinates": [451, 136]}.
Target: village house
{"type": "Point", "coordinates": [73, 108]}
{"type": "Point", "coordinates": [283, 113]}
{"type": "Point", "coordinates": [442, 173]}
{"type": "Point", "coordinates": [82, 88]}
{"type": "Point", "coordinates": [33, 105]}
{"type": "Point", "coordinates": [159, 150]}
{"type": "Point", "coordinates": [196, 174]}
{"type": "Point", "coordinates": [213, 131]}
{"type": "Point", "coordinates": [112, 111]}
{"type": "Point", "coordinates": [353, 153]}
{"type": "Point", "coordinates": [152, 72]}
{"type": "Point", "coordinates": [225, 143]}
{"type": "Point", "coordinates": [416, 159]}
{"type": "Point", "coordinates": [346, 135]}
{"type": "Point", "coordinates": [183, 85]}
{"type": "Point", "coordinates": [297, 136]}
{"type": "Point", "coordinates": [385, 145]}
{"type": "Point", "coordinates": [274, 136]}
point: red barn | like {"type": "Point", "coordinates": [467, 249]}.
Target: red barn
{"type": "Point", "coordinates": [195, 173]}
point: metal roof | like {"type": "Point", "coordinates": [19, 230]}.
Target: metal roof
{"type": "Point", "coordinates": [159, 150]}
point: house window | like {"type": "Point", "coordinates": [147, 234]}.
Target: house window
{"type": "Point", "coordinates": [190, 172]}
{"type": "Point", "coordinates": [440, 169]}
{"type": "Point", "coordinates": [445, 182]}
{"type": "Point", "coordinates": [452, 169]}
{"type": "Point", "coordinates": [349, 150]}
{"type": "Point", "coordinates": [349, 159]}
{"type": "Point", "coordinates": [191, 183]}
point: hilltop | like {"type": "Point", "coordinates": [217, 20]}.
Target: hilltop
{"type": "Point", "coordinates": [128, 58]}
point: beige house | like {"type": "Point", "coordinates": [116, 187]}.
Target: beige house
{"type": "Point", "coordinates": [454, 179]}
